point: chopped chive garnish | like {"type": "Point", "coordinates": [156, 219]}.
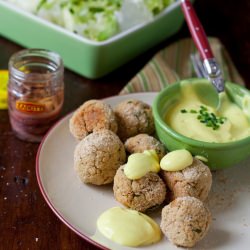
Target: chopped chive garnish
{"type": "Point", "coordinates": [203, 108]}
{"type": "Point", "coordinates": [209, 119]}
{"type": "Point", "coordinates": [193, 111]}
{"type": "Point", "coordinates": [183, 111]}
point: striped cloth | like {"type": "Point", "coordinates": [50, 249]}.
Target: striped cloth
{"type": "Point", "coordinates": [173, 64]}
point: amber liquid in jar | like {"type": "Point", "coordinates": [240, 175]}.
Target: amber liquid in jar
{"type": "Point", "coordinates": [35, 92]}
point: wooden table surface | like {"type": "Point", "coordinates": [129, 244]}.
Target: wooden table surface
{"type": "Point", "coordinates": [26, 221]}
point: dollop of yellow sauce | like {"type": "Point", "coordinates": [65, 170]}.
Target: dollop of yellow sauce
{"type": "Point", "coordinates": [201, 158]}
{"type": "Point", "coordinates": [246, 105]}
{"type": "Point", "coordinates": [128, 227]}
{"type": "Point", "coordinates": [176, 160]}
{"type": "Point", "coordinates": [236, 125]}
{"type": "Point", "coordinates": [139, 164]}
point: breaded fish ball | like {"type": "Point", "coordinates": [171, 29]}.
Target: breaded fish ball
{"type": "Point", "coordinates": [134, 117]}
{"type": "Point", "coordinates": [142, 194]}
{"type": "Point", "coordinates": [91, 116]}
{"type": "Point", "coordinates": [195, 180]}
{"type": "Point", "coordinates": [98, 156]}
{"type": "Point", "coordinates": [185, 221]}
{"type": "Point", "coordinates": [141, 142]}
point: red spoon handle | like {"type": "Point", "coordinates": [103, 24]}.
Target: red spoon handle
{"type": "Point", "coordinates": [196, 30]}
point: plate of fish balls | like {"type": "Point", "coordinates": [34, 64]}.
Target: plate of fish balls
{"type": "Point", "coordinates": [106, 175]}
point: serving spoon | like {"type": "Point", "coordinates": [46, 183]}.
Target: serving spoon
{"type": "Point", "coordinates": [209, 92]}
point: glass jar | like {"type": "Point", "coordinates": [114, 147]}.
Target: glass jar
{"type": "Point", "coordinates": [35, 92]}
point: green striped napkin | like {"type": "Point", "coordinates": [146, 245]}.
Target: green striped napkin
{"type": "Point", "coordinates": [173, 64]}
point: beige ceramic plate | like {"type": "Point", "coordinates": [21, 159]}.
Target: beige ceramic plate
{"type": "Point", "coordinates": [79, 205]}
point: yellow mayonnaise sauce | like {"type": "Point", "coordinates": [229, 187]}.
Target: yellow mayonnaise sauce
{"type": "Point", "coordinates": [246, 105]}
{"type": "Point", "coordinates": [236, 125]}
{"type": "Point", "coordinates": [201, 158]}
{"type": "Point", "coordinates": [128, 227]}
{"type": "Point", "coordinates": [139, 164]}
{"type": "Point", "coordinates": [176, 160]}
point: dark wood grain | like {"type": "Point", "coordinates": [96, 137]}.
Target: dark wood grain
{"type": "Point", "coordinates": [26, 221]}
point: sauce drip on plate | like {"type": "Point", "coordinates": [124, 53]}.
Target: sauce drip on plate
{"type": "Point", "coordinates": [128, 227]}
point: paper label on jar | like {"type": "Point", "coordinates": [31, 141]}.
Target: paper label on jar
{"type": "Point", "coordinates": [30, 107]}
{"type": "Point", "coordinates": [3, 88]}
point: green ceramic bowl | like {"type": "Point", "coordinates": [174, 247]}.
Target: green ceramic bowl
{"type": "Point", "coordinates": [219, 155]}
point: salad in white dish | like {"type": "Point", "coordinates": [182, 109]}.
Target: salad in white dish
{"type": "Point", "coordinates": [97, 20]}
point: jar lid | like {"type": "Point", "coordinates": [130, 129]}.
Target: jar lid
{"type": "Point", "coordinates": [4, 76]}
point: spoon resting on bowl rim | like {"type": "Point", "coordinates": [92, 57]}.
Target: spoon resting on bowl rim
{"type": "Point", "coordinates": [210, 65]}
